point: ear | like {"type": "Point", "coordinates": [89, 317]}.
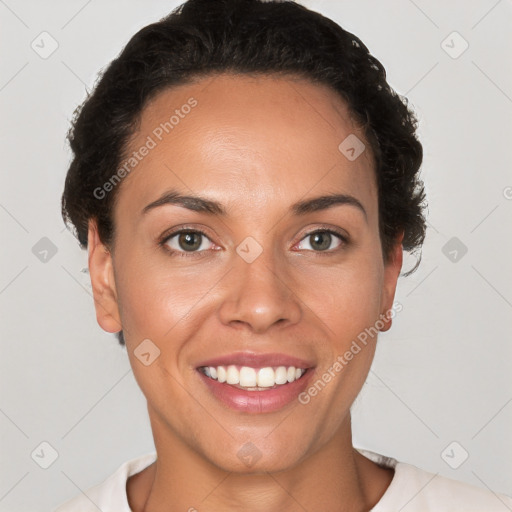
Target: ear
{"type": "Point", "coordinates": [391, 272]}
{"type": "Point", "coordinates": [101, 271]}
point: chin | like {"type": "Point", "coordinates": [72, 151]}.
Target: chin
{"type": "Point", "coordinates": [256, 457]}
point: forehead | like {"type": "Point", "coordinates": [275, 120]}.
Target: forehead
{"type": "Point", "coordinates": [267, 139]}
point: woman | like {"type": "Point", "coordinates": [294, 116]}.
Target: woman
{"type": "Point", "coordinates": [245, 182]}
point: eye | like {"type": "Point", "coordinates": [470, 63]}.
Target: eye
{"type": "Point", "coordinates": [186, 241]}
{"type": "Point", "coordinates": [193, 242]}
{"type": "Point", "coordinates": [322, 239]}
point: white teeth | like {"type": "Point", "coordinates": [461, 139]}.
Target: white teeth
{"type": "Point", "coordinates": [281, 375]}
{"type": "Point", "coordinates": [232, 375]}
{"type": "Point", "coordinates": [249, 377]}
{"type": "Point", "coordinates": [221, 374]}
{"type": "Point", "coordinates": [266, 377]}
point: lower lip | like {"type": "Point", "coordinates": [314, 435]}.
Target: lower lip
{"type": "Point", "coordinates": [269, 400]}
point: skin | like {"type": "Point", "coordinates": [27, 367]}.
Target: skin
{"type": "Point", "coordinates": [256, 145]}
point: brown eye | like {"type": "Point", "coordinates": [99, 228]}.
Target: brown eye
{"type": "Point", "coordinates": [189, 241]}
{"type": "Point", "coordinates": [183, 241]}
{"type": "Point", "coordinates": [322, 240]}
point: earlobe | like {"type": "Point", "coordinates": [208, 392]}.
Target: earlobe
{"type": "Point", "coordinates": [391, 273]}
{"type": "Point", "coordinates": [102, 281]}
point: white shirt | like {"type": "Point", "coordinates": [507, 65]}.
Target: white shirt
{"type": "Point", "coordinates": [411, 490]}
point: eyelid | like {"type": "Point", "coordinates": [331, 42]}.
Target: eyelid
{"type": "Point", "coordinates": [329, 229]}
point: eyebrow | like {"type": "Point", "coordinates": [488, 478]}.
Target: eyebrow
{"type": "Point", "coordinates": [201, 204]}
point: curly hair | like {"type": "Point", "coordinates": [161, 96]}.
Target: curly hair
{"type": "Point", "coordinates": [203, 37]}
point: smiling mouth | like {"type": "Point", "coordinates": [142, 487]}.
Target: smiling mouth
{"type": "Point", "coordinates": [253, 379]}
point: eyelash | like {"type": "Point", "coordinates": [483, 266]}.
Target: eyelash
{"type": "Point", "coordinates": [194, 254]}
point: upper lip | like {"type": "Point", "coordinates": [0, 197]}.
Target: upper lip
{"type": "Point", "coordinates": [256, 360]}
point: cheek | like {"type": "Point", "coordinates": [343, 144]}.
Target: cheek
{"type": "Point", "coordinates": [156, 304]}
{"type": "Point", "coordinates": [347, 298]}
{"type": "Point", "coordinates": [350, 308]}
{"type": "Point", "coordinates": [155, 296]}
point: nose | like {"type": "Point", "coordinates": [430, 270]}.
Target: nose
{"type": "Point", "coordinates": [259, 295]}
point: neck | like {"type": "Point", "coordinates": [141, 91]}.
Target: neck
{"type": "Point", "coordinates": [335, 478]}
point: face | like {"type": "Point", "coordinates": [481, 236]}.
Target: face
{"type": "Point", "coordinates": [263, 282]}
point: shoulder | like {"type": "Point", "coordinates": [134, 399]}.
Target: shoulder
{"type": "Point", "coordinates": [423, 491]}
{"type": "Point", "coordinates": [416, 490]}
{"type": "Point", "coordinates": [109, 495]}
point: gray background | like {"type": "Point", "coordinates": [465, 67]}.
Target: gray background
{"type": "Point", "coordinates": [440, 376]}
